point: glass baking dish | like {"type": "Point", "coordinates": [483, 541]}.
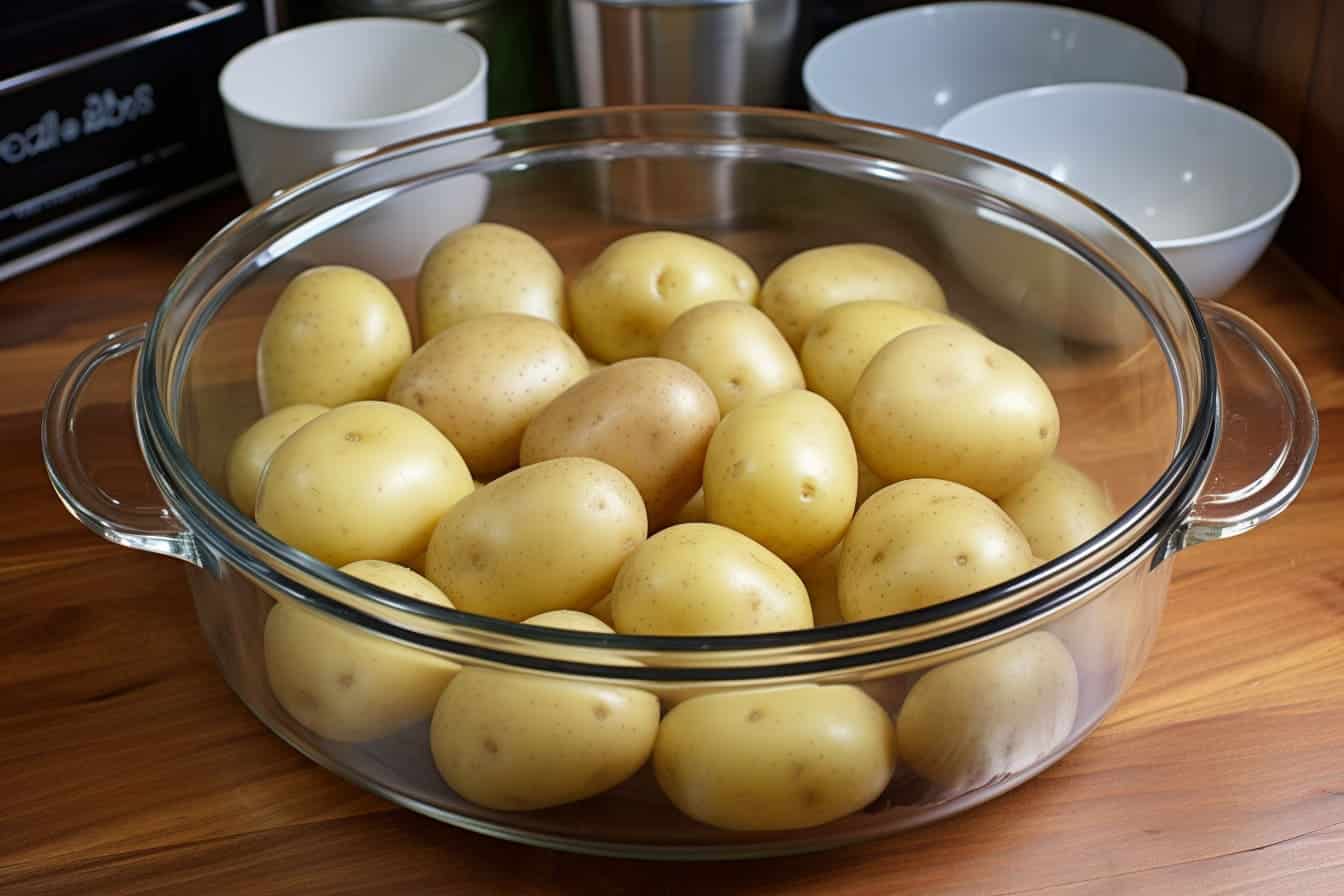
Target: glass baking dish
{"type": "Point", "coordinates": [1188, 414]}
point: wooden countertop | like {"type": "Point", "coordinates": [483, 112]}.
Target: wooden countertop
{"type": "Point", "coordinates": [131, 768]}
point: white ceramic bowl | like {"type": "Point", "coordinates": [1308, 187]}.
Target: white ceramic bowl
{"type": "Point", "coordinates": [1206, 184]}
{"type": "Point", "coordinates": [917, 67]}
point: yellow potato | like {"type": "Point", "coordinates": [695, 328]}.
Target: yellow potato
{"type": "Point", "coordinates": [976, 720]}
{"type": "Point", "coordinates": [702, 579]}
{"type": "Point", "coordinates": [869, 484]}
{"type": "Point", "coordinates": [694, 510]}
{"type": "Point", "coordinates": [483, 380]}
{"type": "Point", "coordinates": [1058, 509]}
{"type": "Point", "coordinates": [842, 341]}
{"type": "Point", "coordinates": [775, 759]}
{"type": "Point", "coordinates": [735, 349]}
{"type": "Point", "coordinates": [924, 541]}
{"type": "Point", "coordinates": [550, 536]}
{"type": "Point", "coordinates": [366, 481]}
{"type": "Point", "coordinates": [345, 684]}
{"type": "Point", "coordinates": [947, 403]}
{"type": "Point", "coordinates": [252, 449]}
{"type": "Point", "coordinates": [514, 742]}
{"type": "Point", "coordinates": [630, 294]}
{"type": "Point", "coordinates": [571, 620]}
{"type": "Point", "coordinates": [821, 578]}
{"type": "Point", "coordinates": [335, 335]}
{"type": "Point", "coordinates": [650, 418]}
{"type": "Point", "coordinates": [800, 289]}
{"type": "Point", "coordinates": [487, 268]}
{"type": "Point", "coordinates": [1111, 635]}
{"type": "Point", "coordinates": [601, 611]}
{"type": "Point", "coordinates": [782, 471]}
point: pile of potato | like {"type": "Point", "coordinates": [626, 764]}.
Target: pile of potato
{"type": "Point", "coordinates": [661, 446]}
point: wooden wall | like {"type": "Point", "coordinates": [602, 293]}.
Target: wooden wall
{"type": "Point", "coordinates": [1283, 62]}
{"type": "Point", "coordinates": [1279, 60]}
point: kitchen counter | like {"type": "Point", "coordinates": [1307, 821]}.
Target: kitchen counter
{"type": "Point", "coordinates": [129, 766]}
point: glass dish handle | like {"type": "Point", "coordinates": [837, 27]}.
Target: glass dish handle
{"type": "Point", "coordinates": [1269, 433]}
{"type": "Point", "coordinates": [153, 529]}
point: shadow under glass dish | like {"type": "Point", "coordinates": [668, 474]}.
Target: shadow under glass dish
{"type": "Point", "coordinates": [1127, 353]}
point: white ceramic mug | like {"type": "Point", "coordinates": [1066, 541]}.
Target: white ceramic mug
{"type": "Point", "coordinates": [304, 100]}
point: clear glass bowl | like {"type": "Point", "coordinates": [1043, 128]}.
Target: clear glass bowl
{"type": "Point", "coordinates": [1188, 414]}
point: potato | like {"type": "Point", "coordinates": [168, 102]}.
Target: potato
{"type": "Point", "coordinates": [488, 268]}
{"type": "Point", "coordinates": [550, 536]}
{"type": "Point", "coordinates": [735, 349]}
{"type": "Point", "coordinates": [366, 481]}
{"type": "Point", "coordinates": [572, 620]}
{"type": "Point", "coordinates": [782, 471]}
{"type": "Point", "coordinates": [345, 684]}
{"type": "Point", "coordinates": [945, 402]}
{"type": "Point", "coordinates": [650, 418]}
{"type": "Point", "coordinates": [513, 741]}
{"type": "Point", "coordinates": [777, 758]}
{"type": "Point", "coordinates": [842, 341]}
{"type": "Point", "coordinates": [483, 380]}
{"type": "Point", "coordinates": [335, 335]}
{"type": "Point", "coordinates": [252, 449]}
{"type": "Point", "coordinates": [924, 541]}
{"type": "Point", "coordinates": [1110, 636]}
{"type": "Point", "coordinates": [800, 289]}
{"type": "Point", "coordinates": [1058, 509]}
{"type": "Point", "coordinates": [821, 578]}
{"type": "Point", "coordinates": [694, 510]}
{"type": "Point", "coordinates": [630, 294]}
{"type": "Point", "coordinates": [976, 720]}
{"type": "Point", "coordinates": [869, 484]}
{"type": "Point", "coordinates": [601, 611]}
{"type": "Point", "coordinates": [702, 579]}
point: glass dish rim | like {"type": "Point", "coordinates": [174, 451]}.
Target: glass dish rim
{"type": "Point", "coordinates": [207, 515]}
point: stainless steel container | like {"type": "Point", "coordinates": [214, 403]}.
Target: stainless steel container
{"type": "Point", "coordinates": [727, 52]}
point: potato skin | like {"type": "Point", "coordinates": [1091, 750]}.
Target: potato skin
{"type": "Point", "coordinates": [1058, 509]}
{"type": "Point", "coordinates": [482, 381]}
{"type": "Point", "coordinates": [550, 536]}
{"type": "Point", "coordinates": [346, 684]}
{"type": "Point", "coordinates": [844, 338]}
{"type": "Point", "coordinates": [693, 511]}
{"type": "Point", "coordinates": [702, 579]}
{"type": "Point", "coordinates": [517, 742]}
{"type": "Point", "coordinates": [572, 620]}
{"type": "Point", "coordinates": [253, 449]}
{"type": "Point", "coordinates": [365, 481]}
{"type": "Point", "coordinates": [735, 349]}
{"type": "Point", "coordinates": [650, 418]}
{"type": "Point", "coordinates": [513, 741]}
{"type": "Point", "coordinates": [782, 470]}
{"type": "Point", "coordinates": [336, 335]}
{"type": "Point", "coordinates": [924, 541]}
{"type": "Point", "coordinates": [776, 758]}
{"type": "Point", "coordinates": [488, 268]}
{"type": "Point", "coordinates": [978, 719]}
{"type": "Point", "coordinates": [805, 285]}
{"type": "Point", "coordinates": [624, 300]}
{"type": "Point", "coordinates": [944, 402]}
{"type": "Point", "coordinates": [822, 579]}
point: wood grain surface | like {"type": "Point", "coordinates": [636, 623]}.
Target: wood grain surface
{"type": "Point", "coordinates": [129, 767]}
